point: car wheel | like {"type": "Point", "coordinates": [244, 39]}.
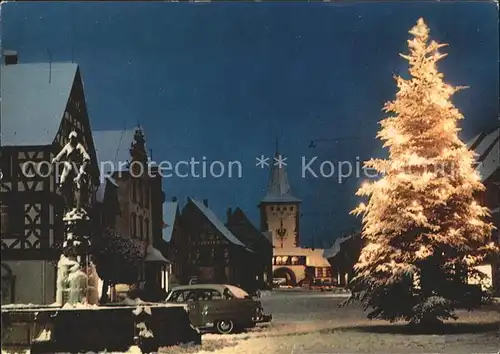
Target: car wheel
{"type": "Point", "coordinates": [225, 326]}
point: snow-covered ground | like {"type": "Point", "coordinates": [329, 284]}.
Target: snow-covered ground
{"type": "Point", "coordinates": [307, 322]}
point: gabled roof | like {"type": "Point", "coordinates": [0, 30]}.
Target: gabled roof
{"type": "Point", "coordinates": [335, 249]}
{"type": "Point", "coordinates": [278, 188]}
{"type": "Point", "coordinates": [487, 148]}
{"type": "Point", "coordinates": [33, 101]}
{"type": "Point", "coordinates": [113, 149]}
{"type": "Point", "coordinates": [268, 235]}
{"type": "Point", "coordinates": [170, 212]}
{"type": "Point", "coordinates": [101, 191]}
{"type": "Point", "coordinates": [113, 152]}
{"type": "Point", "coordinates": [256, 237]}
{"type": "Point", "coordinates": [219, 225]}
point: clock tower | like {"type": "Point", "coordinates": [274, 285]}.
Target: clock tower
{"type": "Point", "coordinates": [279, 209]}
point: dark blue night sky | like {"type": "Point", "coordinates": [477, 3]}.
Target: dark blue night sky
{"type": "Point", "coordinates": [223, 80]}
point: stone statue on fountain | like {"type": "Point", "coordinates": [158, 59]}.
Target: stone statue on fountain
{"type": "Point", "coordinates": [73, 178]}
{"type": "Point", "coordinates": [75, 271]}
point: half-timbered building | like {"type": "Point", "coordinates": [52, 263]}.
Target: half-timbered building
{"type": "Point", "coordinates": [41, 104]}
{"type": "Point", "coordinates": [487, 149]}
{"type": "Point", "coordinates": [174, 243]}
{"type": "Point", "coordinates": [259, 264]}
{"type": "Point", "coordinates": [216, 255]}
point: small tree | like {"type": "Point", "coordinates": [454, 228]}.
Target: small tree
{"type": "Point", "coordinates": [117, 261]}
{"type": "Point", "coordinates": [423, 230]}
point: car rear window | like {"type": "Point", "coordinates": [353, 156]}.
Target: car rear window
{"type": "Point", "coordinates": [238, 292]}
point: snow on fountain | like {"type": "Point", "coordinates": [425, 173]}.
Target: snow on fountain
{"type": "Point", "coordinates": [76, 275]}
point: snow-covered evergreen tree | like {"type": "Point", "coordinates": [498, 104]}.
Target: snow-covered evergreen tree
{"type": "Point", "coordinates": [423, 229]}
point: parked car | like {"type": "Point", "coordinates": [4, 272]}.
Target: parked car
{"type": "Point", "coordinates": [219, 307]}
{"type": "Point", "coordinates": [327, 285]}
{"type": "Point", "coordinates": [278, 282]}
{"type": "Point", "coordinates": [321, 284]}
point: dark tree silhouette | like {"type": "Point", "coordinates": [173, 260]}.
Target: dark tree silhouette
{"type": "Point", "coordinates": [117, 260]}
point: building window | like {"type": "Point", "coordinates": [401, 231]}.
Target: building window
{"type": "Point", "coordinates": [133, 225]}
{"type": "Point", "coordinates": [12, 214]}
{"type": "Point", "coordinates": [134, 190]}
{"type": "Point", "coordinates": [140, 232]}
{"type": "Point", "coordinates": [140, 192]}
{"type": "Point", "coordinates": [146, 229]}
{"type": "Point", "coordinates": [4, 219]}
{"type": "Point", "coordinates": [206, 257]}
{"type": "Point", "coordinates": [146, 196]}
{"type": "Point", "coordinates": [5, 166]}
{"type": "Point", "coordinates": [8, 285]}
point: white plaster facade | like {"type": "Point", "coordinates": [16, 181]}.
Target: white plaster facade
{"type": "Point", "coordinates": [34, 282]}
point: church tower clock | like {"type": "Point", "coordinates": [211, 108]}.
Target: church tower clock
{"type": "Point", "coordinates": [279, 209]}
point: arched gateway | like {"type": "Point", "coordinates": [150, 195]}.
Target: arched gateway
{"type": "Point", "coordinates": [285, 273]}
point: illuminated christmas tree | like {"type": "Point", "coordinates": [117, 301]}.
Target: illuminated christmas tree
{"type": "Point", "coordinates": [423, 230]}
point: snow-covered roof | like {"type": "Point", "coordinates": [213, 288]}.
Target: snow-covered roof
{"type": "Point", "coordinates": [113, 150]}
{"type": "Point", "coordinates": [34, 97]}
{"type": "Point", "coordinates": [278, 188]}
{"type": "Point", "coordinates": [335, 249]}
{"type": "Point", "coordinates": [487, 148]}
{"type": "Point", "coordinates": [154, 255]}
{"type": "Point", "coordinates": [217, 223]}
{"type": "Point", "coordinates": [268, 235]}
{"type": "Point", "coordinates": [169, 214]}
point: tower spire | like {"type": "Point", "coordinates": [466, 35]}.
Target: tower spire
{"type": "Point", "coordinates": [278, 188]}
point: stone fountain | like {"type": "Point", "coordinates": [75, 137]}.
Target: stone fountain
{"type": "Point", "coordinates": [75, 323]}
{"type": "Point", "coordinates": [76, 275]}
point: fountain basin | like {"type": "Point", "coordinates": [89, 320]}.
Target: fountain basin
{"type": "Point", "coordinates": [51, 329]}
